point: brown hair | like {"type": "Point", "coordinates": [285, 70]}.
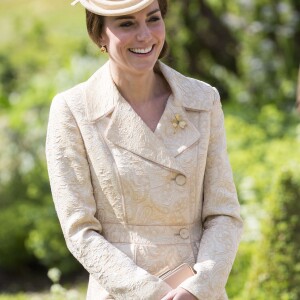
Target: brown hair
{"type": "Point", "coordinates": [94, 25]}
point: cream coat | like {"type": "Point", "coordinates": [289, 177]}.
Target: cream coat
{"type": "Point", "coordinates": [132, 203]}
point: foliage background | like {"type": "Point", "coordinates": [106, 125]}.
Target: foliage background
{"type": "Point", "coordinates": [248, 49]}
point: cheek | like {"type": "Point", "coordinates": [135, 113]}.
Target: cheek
{"type": "Point", "coordinates": [115, 44]}
{"type": "Point", "coordinates": [160, 31]}
{"type": "Point", "coordinates": [115, 40]}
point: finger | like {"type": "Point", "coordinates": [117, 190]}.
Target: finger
{"type": "Point", "coordinates": [183, 294]}
{"type": "Point", "coordinates": [169, 296]}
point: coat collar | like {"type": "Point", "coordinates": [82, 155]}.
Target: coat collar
{"type": "Point", "coordinates": [102, 94]}
{"type": "Point", "coordinates": [127, 130]}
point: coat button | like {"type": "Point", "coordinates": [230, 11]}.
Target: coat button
{"type": "Point", "coordinates": [180, 179]}
{"type": "Point", "coordinates": [184, 233]}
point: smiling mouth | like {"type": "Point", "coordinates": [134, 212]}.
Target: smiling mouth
{"type": "Point", "coordinates": [141, 50]}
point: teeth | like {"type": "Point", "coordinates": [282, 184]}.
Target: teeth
{"type": "Point", "coordinates": [140, 50]}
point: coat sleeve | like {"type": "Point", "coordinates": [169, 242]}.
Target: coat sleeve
{"type": "Point", "coordinates": [221, 219]}
{"type": "Point", "coordinates": [72, 192]}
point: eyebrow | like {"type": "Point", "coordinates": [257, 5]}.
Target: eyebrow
{"type": "Point", "coordinates": [131, 17]}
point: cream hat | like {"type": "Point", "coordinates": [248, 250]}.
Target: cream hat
{"type": "Point", "coordinates": [113, 7]}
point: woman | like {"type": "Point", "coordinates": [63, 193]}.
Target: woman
{"type": "Point", "coordinates": [138, 166]}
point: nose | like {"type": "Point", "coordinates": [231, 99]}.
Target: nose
{"type": "Point", "coordinates": [144, 33]}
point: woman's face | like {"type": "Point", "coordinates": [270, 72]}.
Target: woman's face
{"type": "Point", "coordinates": [135, 41]}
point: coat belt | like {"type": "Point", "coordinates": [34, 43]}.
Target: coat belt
{"type": "Point", "coordinates": [152, 234]}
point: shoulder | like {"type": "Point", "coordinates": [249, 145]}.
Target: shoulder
{"type": "Point", "coordinates": [74, 98]}
{"type": "Point", "coordinates": [89, 97]}
{"type": "Point", "coordinates": [79, 90]}
{"type": "Point", "coordinates": [71, 94]}
{"type": "Point", "coordinates": [206, 91]}
{"type": "Point", "coordinates": [66, 103]}
{"type": "Point", "coordinates": [193, 93]}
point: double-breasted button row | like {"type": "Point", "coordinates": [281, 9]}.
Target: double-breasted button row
{"type": "Point", "coordinates": [180, 179]}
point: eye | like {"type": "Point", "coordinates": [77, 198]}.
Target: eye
{"type": "Point", "coordinates": [154, 19]}
{"type": "Point", "coordinates": [126, 24]}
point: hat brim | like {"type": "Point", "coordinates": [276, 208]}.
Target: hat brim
{"type": "Point", "coordinates": [114, 7]}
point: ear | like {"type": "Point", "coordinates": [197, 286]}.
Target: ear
{"type": "Point", "coordinates": [103, 40]}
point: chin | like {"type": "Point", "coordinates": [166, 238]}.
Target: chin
{"type": "Point", "coordinates": [143, 68]}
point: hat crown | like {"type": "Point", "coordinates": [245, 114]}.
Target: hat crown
{"type": "Point", "coordinates": [113, 7]}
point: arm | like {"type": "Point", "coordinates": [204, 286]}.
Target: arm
{"type": "Point", "coordinates": [75, 205]}
{"type": "Point", "coordinates": [220, 217]}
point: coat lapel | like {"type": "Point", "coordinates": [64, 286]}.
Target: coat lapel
{"type": "Point", "coordinates": [176, 139]}
{"type": "Point", "coordinates": [127, 130]}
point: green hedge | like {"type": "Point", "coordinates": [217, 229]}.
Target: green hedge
{"type": "Point", "coordinates": [276, 268]}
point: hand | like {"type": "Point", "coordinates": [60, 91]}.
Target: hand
{"type": "Point", "coordinates": [179, 294]}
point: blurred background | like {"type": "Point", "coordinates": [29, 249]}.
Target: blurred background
{"type": "Point", "coordinates": [248, 49]}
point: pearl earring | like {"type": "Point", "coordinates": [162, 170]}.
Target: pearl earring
{"type": "Point", "coordinates": [103, 49]}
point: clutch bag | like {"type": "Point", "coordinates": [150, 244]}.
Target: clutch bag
{"type": "Point", "coordinates": [176, 276]}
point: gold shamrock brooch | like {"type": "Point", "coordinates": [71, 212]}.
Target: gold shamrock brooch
{"type": "Point", "coordinates": [177, 122]}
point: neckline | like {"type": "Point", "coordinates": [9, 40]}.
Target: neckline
{"type": "Point", "coordinates": [169, 99]}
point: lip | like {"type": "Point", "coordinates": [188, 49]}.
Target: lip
{"type": "Point", "coordinates": [142, 54]}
